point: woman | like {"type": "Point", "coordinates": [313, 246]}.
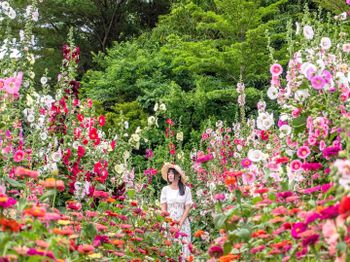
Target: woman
{"type": "Point", "coordinates": [176, 199]}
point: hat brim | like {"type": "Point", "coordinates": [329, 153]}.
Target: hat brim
{"type": "Point", "coordinates": [166, 167]}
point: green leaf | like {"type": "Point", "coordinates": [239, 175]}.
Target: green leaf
{"type": "Point", "coordinates": [47, 194]}
{"type": "Point", "coordinates": [220, 220]}
{"type": "Point", "coordinates": [341, 246]}
{"type": "Point", "coordinates": [14, 183]}
{"type": "Point", "coordinates": [89, 231]}
{"type": "Point", "coordinates": [243, 233]}
{"type": "Point", "coordinates": [227, 248]}
{"type": "Point", "coordinates": [131, 193]}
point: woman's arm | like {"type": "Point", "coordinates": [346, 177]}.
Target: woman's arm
{"type": "Point", "coordinates": [164, 207]}
{"type": "Point", "coordinates": [185, 214]}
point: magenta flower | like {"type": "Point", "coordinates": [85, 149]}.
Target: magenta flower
{"type": "Point", "coordinates": [295, 165]}
{"type": "Point", "coordinates": [149, 153]}
{"type": "Point", "coordinates": [310, 240]}
{"type": "Point", "coordinates": [204, 158]}
{"type": "Point", "coordinates": [6, 202]}
{"type": "Point", "coordinates": [318, 82]}
{"type": "Point", "coordinates": [297, 229]}
{"type": "Point", "coordinates": [311, 166]}
{"type": "Point", "coordinates": [246, 162]}
{"type": "Point", "coordinates": [18, 156]}
{"type": "Point", "coordinates": [348, 2]}
{"type": "Point", "coordinates": [330, 151]}
{"type": "Point", "coordinates": [276, 69]}
{"type": "Point", "coordinates": [216, 251]}
{"type": "Point", "coordinates": [330, 212]}
{"type": "Point", "coordinates": [303, 152]}
{"type": "Point", "coordinates": [219, 197]}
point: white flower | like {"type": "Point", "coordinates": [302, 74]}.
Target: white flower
{"type": "Point", "coordinates": [119, 168]}
{"type": "Point", "coordinates": [43, 136]}
{"type": "Point", "coordinates": [265, 121]}
{"type": "Point", "coordinates": [162, 107]}
{"type": "Point", "coordinates": [180, 136]}
{"type": "Point", "coordinates": [239, 148]}
{"type": "Point", "coordinates": [272, 92]}
{"type": "Point", "coordinates": [30, 118]}
{"type": "Point", "coordinates": [126, 124]}
{"type": "Point", "coordinates": [135, 138]}
{"type": "Point", "coordinates": [75, 145]}
{"type": "Point", "coordinates": [255, 155]}
{"type": "Point", "coordinates": [180, 155]}
{"type": "Point", "coordinates": [5, 5]}
{"type": "Point", "coordinates": [138, 130]}
{"type": "Point", "coordinates": [126, 155]}
{"type": "Point", "coordinates": [11, 13]}
{"type": "Point", "coordinates": [56, 156]}
{"type": "Point", "coordinates": [81, 189]}
{"type": "Point", "coordinates": [326, 43]}
{"type": "Point", "coordinates": [308, 32]}
{"type": "Point", "coordinates": [297, 28]}
{"type": "Point", "coordinates": [301, 95]}
{"type": "Point", "coordinates": [268, 146]}
{"type": "Point", "coordinates": [151, 120]}
{"type": "Point", "coordinates": [156, 107]}
{"type": "Point", "coordinates": [43, 80]}
{"type": "Point", "coordinates": [285, 130]}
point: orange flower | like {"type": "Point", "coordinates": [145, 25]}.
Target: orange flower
{"type": "Point", "coordinates": [198, 233]}
{"type": "Point", "coordinates": [52, 183]}
{"type": "Point", "coordinates": [230, 181]}
{"type": "Point", "coordinates": [110, 200]}
{"type": "Point", "coordinates": [260, 233]}
{"type": "Point", "coordinates": [229, 258]}
{"type": "Point", "coordinates": [167, 243]}
{"type": "Point", "coordinates": [118, 242]}
{"type": "Point", "coordinates": [9, 224]}
{"type": "Point", "coordinates": [35, 211]}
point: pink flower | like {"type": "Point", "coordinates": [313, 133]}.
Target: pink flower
{"type": "Point", "coordinates": [246, 162]}
{"type": "Point", "coordinates": [303, 152]}
{"type": "Point", "coordinates": [216, 251]}
{"type": "Point", "coordinates": [18, 156]}
{"type": "Point", "coordinates": [348, 2]}
{"type": "Point", "coordinates": [219, 197]}
{"type": "Point", "coordinates": [297, 229]}
{"type": "Point", "coordinates": [295, 165]}
{"type": "Point", "coordinates": [276, 69]}
{"type": "Point", "coordinates": [13, 84]}
{"type": "Point", "coordinates": [6, 202]}
{"type": "Point", "coordinates": [318, 82]}
{"type": "Point", "coordinates": [331, 235]}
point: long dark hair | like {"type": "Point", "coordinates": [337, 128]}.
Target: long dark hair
{"type": "Point", "coordinates": [181, 185]}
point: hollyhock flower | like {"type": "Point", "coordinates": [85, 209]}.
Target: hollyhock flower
{"type": "Point", "coordinates": [308, 32]}
{"type": "Point", "coordinates": [330, 233]}
{"type": "Point", "coordinates": [216, 251]}
{"type": "Point", "coordinates": [276, 69]}
{"type": "Point", "coordinates": [102, 120]}
{"type": "Point", "coordinates": [297, 229]}
{"type": "Point", "coordinates": [13, 84]}
{"type": "Point", "coordinates": [303, 152]}
{"type": "Point", "coordinates": [246, 162]}
{"type": "Point", "coordinates": [318, 82]}
{"type": "Point", "coordinates": [326, 43]}
{"type": "Point", "coordinates": [295, 165]}
{"type": "Point", "coordinates": [205, 158]}
{"type": "Point", "coordinates": [265, 121]}
{"type": "Point", "coordinates": [255, 155]}
{"type": "Point", "coordinates": [219, 197]}
{"type": "Point", "coordinates": [346, 48]}
{"type": "Point", "coordinates": [18, 156]}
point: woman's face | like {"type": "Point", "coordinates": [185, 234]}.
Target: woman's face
{"type": "Point", "coordinates": [172, 177]}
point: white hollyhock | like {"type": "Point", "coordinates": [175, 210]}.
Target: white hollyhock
{"type": "Point", "coordinates": [264, 121]}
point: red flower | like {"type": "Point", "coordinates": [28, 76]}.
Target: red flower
{"type": "Point", "coordinates": [170, 122]}
{"type": "Point", "coordinates": [264, 135]}
{"type": "Point", "coordinates": [102, 120]}
{"type": "Point", "coordinates": [9, 224]}
{"type": "Point", "coordinates": [80, 117]}
{"type": "Point", "coordinates": [93, 134]}
{"type": "Point", "coordinates": [81, 151]}
{"type": "Point", "coordinates": [344, 205]}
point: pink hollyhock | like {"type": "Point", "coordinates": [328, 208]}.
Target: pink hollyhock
{"type": "Point", "coordinates": [81, 151]}
{"type": "Point", "coordinates": [318, 82]}
{"type": "Point", "coordinates": [311, 166]}
{"type": "Point", "coordinates": [18, 156]}
{"type": "Point", "coordinates": [219, 197]}
{"type": "Point", "coordinates": [295, 165]}
{"type": "Point", "coordinates": [348, 2]}
{"type": "Point", "coordinates": [246, 162]}
{"type": "Point", "coordinates": [205, 158]}
{"type": "Point", "coordinates": [13, 84]}
{"type": "Point", "coordinates": [276, 69]}
{"type": "Point", "coordinates": [303, 152]}
{"type": "Point", "coordinates": [330, 234]}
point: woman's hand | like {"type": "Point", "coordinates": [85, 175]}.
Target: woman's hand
{"type": "Point", "coordinates": [181, 222]}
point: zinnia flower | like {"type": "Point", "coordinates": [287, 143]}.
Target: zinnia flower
{"type": "Point", "coordinates": [6, 202]}
{"type": "Point", "coordinates": [246, 162]}
{"type": "Point", "coordinates": [216, 251]}
{"type": "Point", "coordinates": [297, 229]}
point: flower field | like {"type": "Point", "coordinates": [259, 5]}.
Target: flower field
{"type": "Point", "coordinates": [270, 187]}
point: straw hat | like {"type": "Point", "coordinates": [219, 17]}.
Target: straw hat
{"type": "Point", "coordinates": [166, 167]}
